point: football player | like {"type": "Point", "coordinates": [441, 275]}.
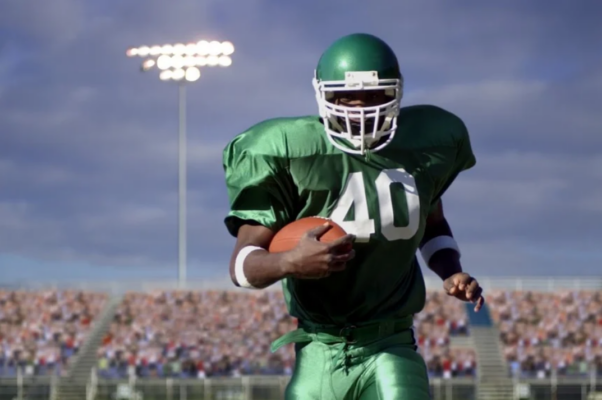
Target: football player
{"type": "Point", "coordinates": [379, 171]}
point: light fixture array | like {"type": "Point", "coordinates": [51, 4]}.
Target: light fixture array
{"type": "Point", "coordinates": [183, 61]}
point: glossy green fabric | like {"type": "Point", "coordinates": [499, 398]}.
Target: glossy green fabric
{"type": "Point", "coordinates": [284, 169]}
{"type": "Point", "coordinates": [366, 333]}
{"type": "Point", "coordinates": [387, 369]}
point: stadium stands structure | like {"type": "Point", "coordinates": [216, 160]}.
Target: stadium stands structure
{"type": "Point", "coordinates": [534, 339]}
{"type": "Point", "coordinates": [40, 332]}
{"type": "Point", "coordinates": [544, 332]}
{"type": "Point", "coordinates": [190, 334]}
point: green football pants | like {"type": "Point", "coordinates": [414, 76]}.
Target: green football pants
{"type": "Point", "coordinates": [386, 369]}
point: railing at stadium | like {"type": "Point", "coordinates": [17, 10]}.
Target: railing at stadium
{"type": "Point", "coordinates": [432, 283]}
{"type": "Point", "coordinates": [272, 387]}
{"type": "Point", "coordinates": [243, 388]}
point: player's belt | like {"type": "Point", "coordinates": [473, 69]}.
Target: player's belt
{"type": "Point", "coordinates": [309, 332]}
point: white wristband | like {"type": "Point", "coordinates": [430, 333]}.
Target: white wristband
{"type": "Point", "coordinates": [239, 266]}
{"type": "Point", "coordinates": [436, 244]}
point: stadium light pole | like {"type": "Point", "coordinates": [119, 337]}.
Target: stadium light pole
{"type": "Point", "coordinates": [182, 63]}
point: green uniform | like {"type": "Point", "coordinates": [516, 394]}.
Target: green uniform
{"type": "Point", "coordinates": [285, 169]}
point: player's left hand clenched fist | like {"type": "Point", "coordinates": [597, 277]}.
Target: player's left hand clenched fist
{"type": "Point", "coordinates": [464, 287]}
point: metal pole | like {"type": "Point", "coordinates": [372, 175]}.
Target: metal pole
{"type": "Point", "coordinates": [182, 187]}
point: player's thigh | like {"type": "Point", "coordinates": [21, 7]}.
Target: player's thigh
{"type": "Point", "coordinates": [398, 373]}
{"type": "Point", "coordinates": [312, 367]}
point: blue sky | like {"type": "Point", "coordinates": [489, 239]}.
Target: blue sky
{"type": "Point", "coordinates": [88, 145]}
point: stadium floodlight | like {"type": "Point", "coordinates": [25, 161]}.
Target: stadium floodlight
{"type": "Point", "coordinates": [179, 48]}
{"type": "Point", "coordinates": [182, 63]}
{"type": "Point", "coordinates": [155, 50]}
{"type": "Point", "coordinates": [178, 74]}
{"type": "Point", "coordinates": [164, 62]}
{"type": "Point", "coordinates": [148, 64]}
{"type": "Point", "coordinates": [203, 47]}
{"type": "Point", "coordinates": [177, 61]}
{"type": "Point", "coordinates": [166, 75]}
{"type": "Point", "coordinates": [227, 48]}
{"type": "Point", "coordinates": [225, 61]}
{"type": "Point", "coordinates": [143, 51]}
{"type": "Point", "coordinates": [193, 74]}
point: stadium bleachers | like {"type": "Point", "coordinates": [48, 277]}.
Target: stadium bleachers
{"type": "Point", "coordinates": [442, 318]}
{"type": "Point", "coordinates": [529, 333]}
{"type": "Point", "coordinates": [41, 331]}
{"type": "Point", "coordinates": [218, 333]}
{"type": "Point", "coordinates": [189, 334]}
{"type": "Point", "coordinates": [545, 331]}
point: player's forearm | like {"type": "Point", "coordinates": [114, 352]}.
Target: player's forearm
{"type": "Point", "coordinates": [445, 263]}
{"type": "Point", "coordinates": [438, 246]}
{"type": "Point", "coordinates": [251, 265]}
{"type": "Point", "coordinates": [260, 269]}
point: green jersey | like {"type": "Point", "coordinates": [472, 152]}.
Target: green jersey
{"type": "Point", "coordinates": [285, 169]}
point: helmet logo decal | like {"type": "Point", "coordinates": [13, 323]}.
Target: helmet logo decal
{"type": "Point", "coordinates": [360, 79]}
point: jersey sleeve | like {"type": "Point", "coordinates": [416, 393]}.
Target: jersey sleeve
{"type": "Point", "coordinates": [464, 159]}
{"type": "Point", "coordinates": [258, 184]}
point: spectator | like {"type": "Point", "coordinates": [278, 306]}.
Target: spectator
{"type": "Point", "coordinates": [546, 331]}
{"type": "Point", "coordinates": [212, 334]}
{"type": "Point", "coordinates": [40, 332]}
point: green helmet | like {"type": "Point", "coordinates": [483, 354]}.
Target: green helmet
{"type": "Point", "coordinates": [353, 63]}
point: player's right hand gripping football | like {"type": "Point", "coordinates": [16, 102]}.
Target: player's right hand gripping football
{"type": "Point", "coordinates": [312, 259]}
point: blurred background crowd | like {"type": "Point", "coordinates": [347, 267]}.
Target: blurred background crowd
{"type": "Point", "coordinates": [41, 331]}
{"type": "Point", "coordinates": [195, 334]}
{"type": "Point", "coordinates": [198, 334]}
{"type": "Point", "coordinates": [190, 334]}
{"type": "Point", "coordinates": [543, 332]}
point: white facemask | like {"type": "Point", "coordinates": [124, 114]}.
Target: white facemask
{"type": "Point", "coordinates": [373, 123]}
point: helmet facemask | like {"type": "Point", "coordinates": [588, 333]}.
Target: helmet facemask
{"type": "Point", "coordinates": [369, 127]}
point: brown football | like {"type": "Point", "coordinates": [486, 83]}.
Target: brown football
{"type": "Point", "coordinates": [288, 237]}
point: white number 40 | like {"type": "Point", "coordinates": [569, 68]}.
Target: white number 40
{"type": "Point", "coordinates": [363, 226]}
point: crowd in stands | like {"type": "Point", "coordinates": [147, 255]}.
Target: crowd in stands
{"type": "Point", "coordinates": [545, 333]}
{"type": "Point", "coordinates": [41, 331]}
{"type": "Point", "coordinates": [210, 333]}
{"type": "Point", "coordinates": [190, 334]}
{"type": "Point", "coordinates": [215, 333]}
{"type": "Point", "coordinates": [196, 334]}
{"type": "Point", "coordinates": [441, 318]}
